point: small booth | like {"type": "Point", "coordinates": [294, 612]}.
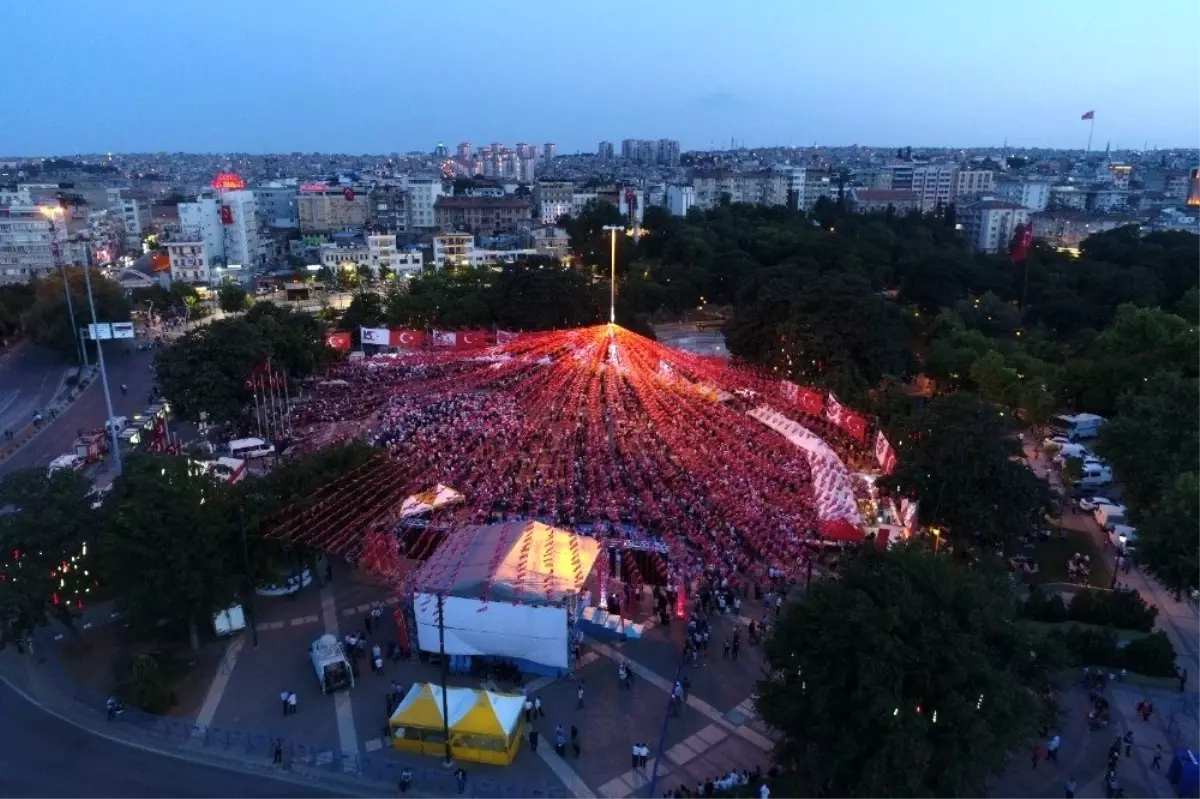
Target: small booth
{"type": "Point", "coordinates": [485, 726]}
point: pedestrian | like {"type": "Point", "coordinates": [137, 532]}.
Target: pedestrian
{"type": "Point", "coordinates": [460, 776]}
{"type": "Point", "coordinates": [1182, 679]}
{"type": "Point", "coordinates": [725, 651]}
{"type": "Point", "coordinates": [367, 621]}
{"type": "Point", "coordinates": [687, 687]}
{"type": "Point", "coordinates": [1035, 754]}
{"type": "Point", "coordinates": [538, 713]}
{"type": "Point", "coordinates": [579, 695]}
{"type": "Point", "coordinates": [1128, 738]}
{"type": "Point", "coordinates": [1052, 748]}
{"type": "Point", "coordinates": [405, 779]}
{"type": "Point", "coordinates": [528, 710]}
{"type": "Point", "coordinates": [645, 756]}
{"type": "Point", "coordinates": [533, 739]}
{"type": "Point", "coordinates": [575, 740]}
{"type": "Point", "coordinates": [637, 751]}
{"type": "Point", "coordinates": [560, 742]}
{"type": "Point", "coordinates": [1070, 787]}
{"type": "Point", "coordinates": [291, 703]}
{"type": "Point", "coordinates": [283, 698]}
{"type": "Point", "coordinates": [277, 752]}
{"type": "Point", "coordinates": [1156, 763]}
{"type": "Point", "coordinates": [734, 649]}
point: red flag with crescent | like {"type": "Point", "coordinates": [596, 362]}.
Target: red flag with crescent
{"type": "Point", "coordinates": [505, 337]}
{"type": "Point", "coordinates": [810, 401]}
{"type": "Point", "coordinates": [338, 340]}
{"type": "Point", "coordinates": [226, 215]}
{"type": "Point", "coordinates": [408, 339]}
{"type": "Point", "coordinates": [471, 339]}
{"type": "Point", "coordinates": [349, 195]}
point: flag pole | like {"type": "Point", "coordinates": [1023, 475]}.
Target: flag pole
{"type": "Point", "coordinates": [1091, 129]}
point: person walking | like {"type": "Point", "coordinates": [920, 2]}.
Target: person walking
{"type": "Point", "coordinates": [460, 776]}
{"type": "Point", "coordinates": [579, 695]}
{"type": "Point", "coordinates": [1035, 755]}
{"type": "Point", "coordinates": [560, 742]}
{"type": "Point", "coordinates": [283, 698]}
{"type": "Point", "coordinates": [1070, 788]}
{"type": "Point", "coordinates": [533, 739]}
{"type": "Point", "coordinates": [405, 779]}
{"type": "Point", "coordinates": [538, 712]}
{"type": "Point", "coordinates": [1128, 739]}
{"type": "Point", "coordinates": [277, 752]}
{"type": "Point", "coordinates": [1052, 748]}
{"type": "Point", "coordinates": [291, 703]}
{"type": "Point", "coordinates": [528, 710]}
{"type": "Point", "coordinates": [1156, 763]}
{"type": "Point", "coordinates": [637, 751]}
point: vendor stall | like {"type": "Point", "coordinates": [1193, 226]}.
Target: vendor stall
{"type": "Point", "coordinates": [485, 726]}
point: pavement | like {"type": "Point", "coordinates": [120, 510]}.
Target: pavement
{"type": "Point", "coordinates": [43, 755]}
{"type": "Point", "coordinates": [57, 437]}
{"type": "Point", "coordinates": [31, 377]}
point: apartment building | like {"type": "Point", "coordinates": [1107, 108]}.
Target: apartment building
{"type": "Point", "coordinates": [553, 199]}
{"type": "Point", "coordinates": [971, 183]}
{"type": "Point", "coordinates": [680, 199]}
{"type": "Point", "coordinates": [423, 194]}
{"type": "Point", "coordinates": [604, 151]}
{"type": "Point", "coordinates": [1033, 195]}
{"type": "Point", "coordinates": [933, 184]}
{"type": "Point", "coordinates": [453, 249]}
{"type": "Point", "coordinates": [552, 241]}
{"type": "Point", "coordinates": [277, 206]}
{"type": "Point", "coordinates": [483, 215]}
{"type": "Point", "coordinates": [388, 208]}
{"type": "Point", "coordinates": [190, 261]}
{"type": "Point", "coordinates": [30, 242]}
{"type": "Point", "coordinates": [870, 201]}
{"type": "Point", "coordinates": [329, 209]}
{"type": "Point", "coordinates": [988, 225]}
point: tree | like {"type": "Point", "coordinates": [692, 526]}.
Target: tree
{"type": "Point", "coordinates": [15, 301]}
{"type": "Point", "coordinates": [233, 297]}
{"type": "Point", "coordinates": [956, 456]}
{"type": "Point", "coordinates": [48, 321]}
{"type": "Point", "coordinates": [1167, 542]}
{"type": "Point", "coordinates": [169, 543]}
{"type": "Point", "coordinates": [46, 526]}
{"type": "Point", "coordinates": [905, 677]}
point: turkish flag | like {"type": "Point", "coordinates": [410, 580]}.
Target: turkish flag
{"type": "Point", "coordinates": [471, 339]}
{"type": "Point", "coordinates": [855, 425]}
{"type": "Point", "coordinates": [337, 341]}
{"type": "Point", "coordinates": [226, 215]}
{"type": "Point", "coordinates": [409, 339]}
{"type": "Point", "coordinates": [444, 338]}
{"type": "Point", "coordinates": [349, 195]}
{"type": "Point", "coordinates": [841, 530]}
{"type": "Point", "coordinates": [810, 401]}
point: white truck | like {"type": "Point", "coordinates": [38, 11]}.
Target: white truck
{"type": "Point", "coordinates": [1077, 426]}
{"type": "Point", "coordinates": [330, 663]}
{"type": "Point", "coordinates": [1107, 516]}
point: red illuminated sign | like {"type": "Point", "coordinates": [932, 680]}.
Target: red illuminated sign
{"type": "Point", "coordinates": [313, 187]}
{"type": "Point", "coordinates": [228, 181]}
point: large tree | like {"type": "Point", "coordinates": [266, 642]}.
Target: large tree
{"type": "Point", "coordinates": [956, 456]}
{"type": "Point", "coordinates": [47, 533]}
{"type": "Point", "coordinates": [48, 320]}
{"type": "Point", "coordinates": [1167, 542]}
{"type": "Point", "coordinates": [905, 677]}
{"type": "Point", "coordinates": [169, 543]}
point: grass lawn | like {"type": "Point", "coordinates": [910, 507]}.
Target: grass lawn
{"type": "Point", "coordinates": [1052, 555]}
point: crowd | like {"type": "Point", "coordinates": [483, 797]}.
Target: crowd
{"type": "Point", "coordinates": [587, 432]}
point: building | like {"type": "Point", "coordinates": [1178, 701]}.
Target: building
{"type": "Point", "coordinates": [667, 152]}
{"type": "Point", "coordinates": [32, 243]}
{"type": "Point", "coordinates": [1103, 199]}
{"type": "Point", "coordinates": [680, 199]}
{"type": "Point", "coordinates": [552, 241]}
{"type": "Point", "coordinates": [387, 208]}
{"type": "Point", "coordinates": [190, 261]}
{"type": "Point", "coordinates": [200, 222]}
{"type": "Point", "coordinates": [463, 150]}
{"type": "Point", "coordinates": [423, 194]}
{"type": "Point", "coordinates": [645, 152]}
{"type": "Point", "coordinates": [277, 206]}
{"type": "Point", "coordinates": [933, 184]}
{"type": "Point", "coordinates": [345, 255]}
{"type": "Point", "coordinates": [453, 249]}
{"type": "Point", "coordinates": [605, 151]}
{"type": "Point", "coordinates": [989, 225]}
{"type": "Point", "coordinates": [135, 217]}
{"type": "Point", "coordinates": [383, 255]}
{"type": "Point", "coordinates": [1067, 197]}
{"type": "Point", "coordinates": [787, 188]}
{"type": "Point", "coordinates": [239, 211]}
{"type": "Point", "coordinates": [971, 183]}
{"type": "Point", "coordinates": [483, 215]}
{"type": "Point", "coordinates": [330, 209]}
{"type": "Point", "coordinates": [549, 151]}
{"type": "Point", "coordinates": [553, 199]}
{"type": "Point", "coordinates": [871, 201]}
{"type": "Point", "coordinates": [1032, 195]}
{"type": "Point", "coordinates": [1068, 229]}
{"type": "Point", "coordinates": [818, 185]}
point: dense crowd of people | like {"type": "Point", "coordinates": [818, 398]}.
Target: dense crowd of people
{"type": "Point", "coordinates": [586, 431]}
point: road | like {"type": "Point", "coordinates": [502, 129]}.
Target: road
{"type": "Point", "coordinates": [41, 755]}
{"type": "Point", "coordinates": [30, 377]}
{"type": "Point", "coordinates": [88, 411]}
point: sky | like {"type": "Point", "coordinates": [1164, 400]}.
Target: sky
{"type": "Point", "coordinates": [382, 76]}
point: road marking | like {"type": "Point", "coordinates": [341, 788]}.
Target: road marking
{"type": "Point", "coordinates": [562, 769]}
{"type": "Point", "coordinates": [216, 690]}
{"type": "Point", "coordinates": [347, 737]}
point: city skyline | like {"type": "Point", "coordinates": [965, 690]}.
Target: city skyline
{"type": "Point", "coordinates": [270, 77]}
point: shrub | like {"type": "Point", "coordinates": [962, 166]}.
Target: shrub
{"type": "Point", "coordinates": [1125, 610]}
{"type": "Point", "coordinates": [1153, 656]}
{"type": "Point", "coordinates": [1055, 610]}
{"type": "Point", "coordinates": [141, 684]}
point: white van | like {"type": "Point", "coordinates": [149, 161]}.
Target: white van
{"type": "Point", "coordinates": [247, 448]}
{"type": "Point", "coordinates": [1094, 473]}
{"type": "Point", "coordinates": [1077, 426]}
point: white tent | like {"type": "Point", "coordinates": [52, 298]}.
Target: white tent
{"type": "Point", "coordinates": [436, 497]}
{"type": "Point", "coordinates": [505, 590]}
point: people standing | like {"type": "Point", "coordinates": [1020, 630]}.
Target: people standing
{"type": "Point", "coordinates": [277, 752]}
{"type": "Point", "coordinates": [291, 700]}
{"type": "Point", "coordinates": [1128, 739]}
{"type": "Point", "coordinates": [460, 776]}
{"type": "Point", "coordinates": [405, 779]}
{"type": "Point", "coordinates": [528, 710]}
{"type": "Point", "coordinates": [1052, 748]}
{"type": "Point", "coordinates": [637, 752]}
{"type": "Point", "coordinates": [1070, 788]}
{"type": "Point", "coordinates": [560, 742]}
{"type": "Point", "coordinates": [533, 739]}
{"type": "Point", "coordinates": [1156, 763]}
{"type": "Point", "coordinates": [283, 698]}
{"type": "Point", "coordinates": [538, 712]}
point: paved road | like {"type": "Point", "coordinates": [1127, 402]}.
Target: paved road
{"type": "Point", "coordinates": [30, 377]}
{"type": "Point", "coordinates": [88, 411]}
{"type": "Point", "coordinates": [41, 755]}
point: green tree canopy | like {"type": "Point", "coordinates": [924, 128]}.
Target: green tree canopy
{"type": "Point", "coordinates": [904, 677]}
{"type": "Point", "coordinates": [1167, 543]}
{"type": "Point", "coordinates": [233, 297]}
{"type": "Point", "coordinates": [48, 321]}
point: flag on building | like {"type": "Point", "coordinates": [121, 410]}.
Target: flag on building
{"type": "Point", "coordinates": [1089, 115]}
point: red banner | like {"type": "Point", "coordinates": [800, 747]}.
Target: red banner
{"type": "Point", "coordinates": [854, 425]}
{"type": "Point", "coordinates": [226, 215]}
{"type": "Point", "coordinates": [337, 341]}
{"type": "Point", "coordinates": [810, 401]}
{"type": "Point", "coordinates": [884, 453]}
{"type": "Point", "coordinates": [471, 339]}
{"type": "Point", "coordinates": [409, 339]}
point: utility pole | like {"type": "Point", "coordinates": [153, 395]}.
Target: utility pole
{"type": "Point", "coordinates": [612, 289]}
{"type": "Point", "coordinates": [51, 213]}
{"type": "Point", "coordinates": [112, 430]}
{"type": "Point", "coordinates": [441, 611]}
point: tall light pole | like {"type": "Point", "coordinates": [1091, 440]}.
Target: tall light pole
{"type": "Point", "coordinates": [51, 213]}
{"type": "Point", "coordinates": [612, 295]}
{"type": "Point", "coordinates": [112, 429]}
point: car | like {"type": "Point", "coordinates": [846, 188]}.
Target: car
{"type": "Point", "coordinates": [1056, 441]}
{"type": "Point", "coordinates": [1093, 502]}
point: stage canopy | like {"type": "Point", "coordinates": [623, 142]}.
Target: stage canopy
{"type": "Point", "coordinates": [524, 561]}
{"type": "Point", "coordinates": [437, 497]}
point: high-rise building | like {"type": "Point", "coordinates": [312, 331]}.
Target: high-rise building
{"type": "Point", "coordinates": [464, 149]}
{"type": "Point", "coordinates": [440, 151]}
{"type": "Point", "coordinates": [29, 238]}
{"type": "Point", "coordinates": [422, 194]}
{"type": "Point", "coordinates": [988, 225]}
{"type": "Point", "coordinates": [329, 209]}
{"type": "Point", "coordinates": [605, 151]}
{"type": "Point", "coordinates": [680, 199]}
{"type": "Point", "coordinates": [668, 152]}
{"type": "Point", "coordinates": [933, 184]}
{"type": "Point", "coordinates": [277, 206]}
{"type": "Point", "coordinates": [549, 150]}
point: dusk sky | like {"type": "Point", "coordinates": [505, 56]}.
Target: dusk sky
{"type": "Point", "coordinates": [379, 76]}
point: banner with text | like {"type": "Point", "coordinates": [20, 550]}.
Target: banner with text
{"type": "Point", "coordinates": [884, 453]}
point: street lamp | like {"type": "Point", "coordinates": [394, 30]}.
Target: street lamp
{"type": "Point", "coordinates": [52, 212]}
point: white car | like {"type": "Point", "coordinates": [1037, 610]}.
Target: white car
{"type": "Point", "coordinates": [1091, 503]}
{"type": "Point", "coordinates": [1056, 441]}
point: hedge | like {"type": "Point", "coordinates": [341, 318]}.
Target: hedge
{"type": "Point", "coordinates": [1152, 655]}
{"type": "Point", "coordinates": [1124, 610]}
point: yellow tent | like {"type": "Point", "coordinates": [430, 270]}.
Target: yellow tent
{"type": "Point", "coordinates": [485, 727]}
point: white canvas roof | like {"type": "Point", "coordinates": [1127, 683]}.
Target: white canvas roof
{"type": "Point", "coordinates": [436, 497]}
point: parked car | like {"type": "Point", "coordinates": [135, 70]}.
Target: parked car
{"type": "Point", "coordinates": [1055, 441]}
{"type": "Point", "coordinates": [1093, 502]}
